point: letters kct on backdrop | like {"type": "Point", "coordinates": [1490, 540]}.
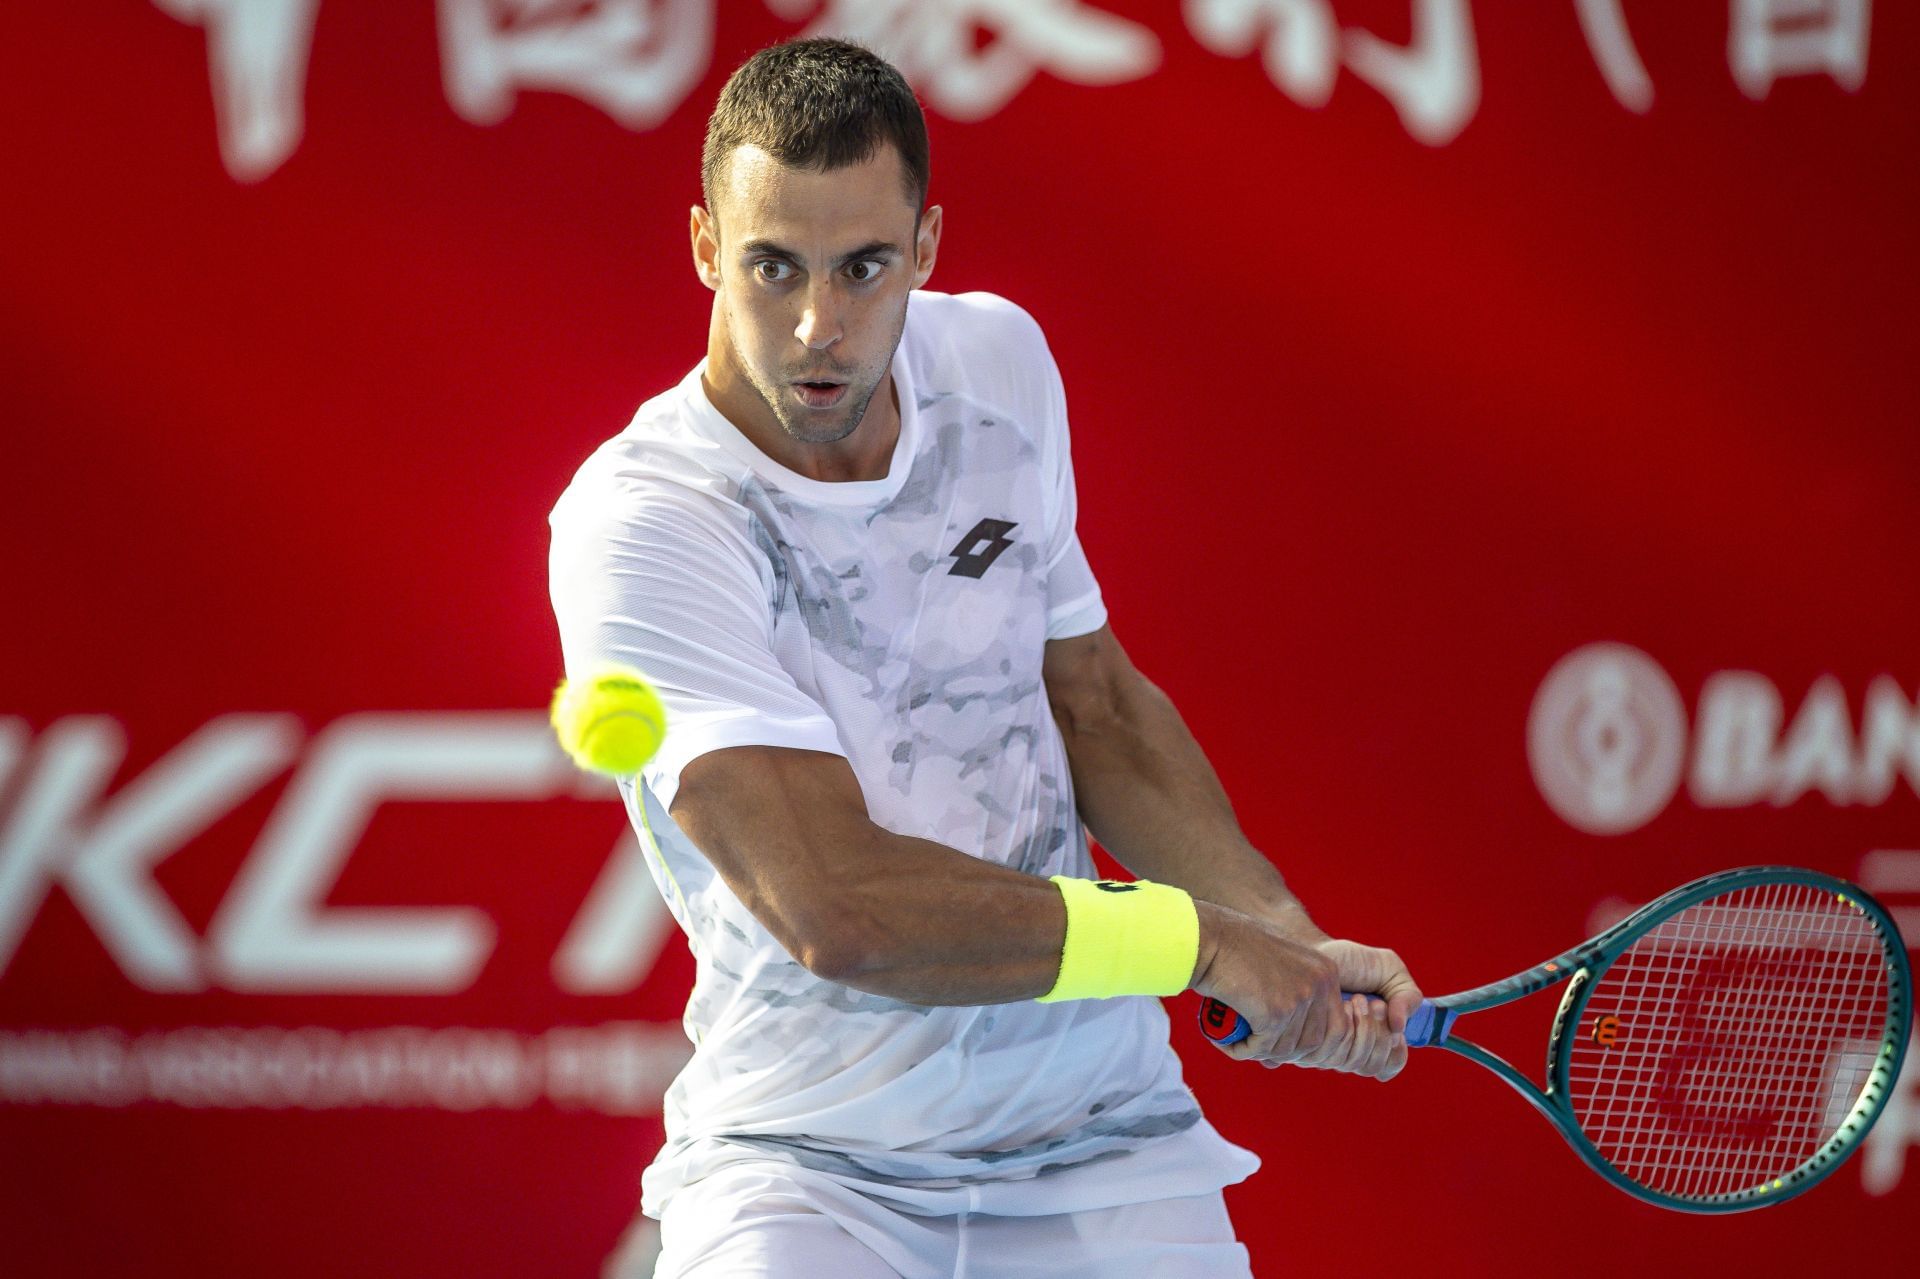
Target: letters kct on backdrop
{"type": "Point", "coordinates": [273, 931]}
{"type": "Point", "coordinates": [639, 60]}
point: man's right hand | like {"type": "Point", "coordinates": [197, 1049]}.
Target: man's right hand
{"type": "Point", "coordinates": [1289, 991]}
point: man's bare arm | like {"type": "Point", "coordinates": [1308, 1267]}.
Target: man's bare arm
{"type": "Point", "coordinates": [1145, 788]}
{"type": "Point", "coordinates": [918, 921]}
{"type": "Point", "coordinates": [1146, 791]}
{"type": "Point", "coordinates": [857, 904]}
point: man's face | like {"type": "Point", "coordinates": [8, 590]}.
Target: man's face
{"type": "Point", "coordinates": [812, 272]}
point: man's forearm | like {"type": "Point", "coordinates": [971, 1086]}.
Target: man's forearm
{"type": "Point", "coordinates": [855, 903]}
{"type": "Point", "coordinates": [894, 915]}
{"type": "Point", "coordinates": [930, 925]}
{"type": "Point", "coordinates": [1148, 794]}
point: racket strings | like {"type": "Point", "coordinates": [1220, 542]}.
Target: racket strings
{"type": "Point", "coordinates": [1779, 1067]}
{"type": "Point", "coordinates": [1699, 1103]}
{"type": "Point", "coordinates": [1724, 1048]}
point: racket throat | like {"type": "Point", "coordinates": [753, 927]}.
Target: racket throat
{"type": "Point", "coordinates": [1430, 1024]}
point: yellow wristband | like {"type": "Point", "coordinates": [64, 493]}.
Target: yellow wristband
{"type": "Point", "coordinates": [1137, 938]}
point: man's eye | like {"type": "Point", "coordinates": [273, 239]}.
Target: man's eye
{"type": "Point", "coordinates": [772, 270]}
{"type": "Point", "coordinates": [863, 272]}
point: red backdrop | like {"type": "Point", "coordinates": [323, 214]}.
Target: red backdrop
{"type": "Point", "coordinates": [1412, 348]}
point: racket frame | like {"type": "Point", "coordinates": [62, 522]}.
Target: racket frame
{"type": "Point", "coordinates": [1585, 964]}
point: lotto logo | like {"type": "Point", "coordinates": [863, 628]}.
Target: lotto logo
{"type": "Point", "coordinates": [981, 546]}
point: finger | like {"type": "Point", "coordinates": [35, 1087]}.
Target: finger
{"type": "Point", "coordinates": [1245, 1049]}
{"type": "Point", "coordinates": [1361, 1047]}
{"type": "Point", "coordinates": [1358, 1026]}
{"type": "Point", "coordinates": [1247, 1046]}
{"type": "Point", "coordinates": [1379, 1040]}
{"type": "Point", "coordinates": [1377, 971]}
{"type": "Point", "coordinates": [1396, 1058]}
{"type": "Point", "coordinates": [1377, 1007]}
{"type": "Point", "coordinates": [1285, 1043]}
{"type": "Point", "coordinates": [1402, 996]}
{"type": "Point", "coordinates": [1321, 1036]}
{"type": "Point", "coordinates": [1317, 1015]}
{"type": "Point", "coordinates": [1373, 1029]}
{"type": "Point", "coordinates": [1264, 1031]}
{"type": "Point", "coordinates": [1340, 1022]}
{"type": "Point", "coordinates": [1390, 1041]}
{"type": "Point", "coordinates": [1300, 1032]}
{"type": "Point", "coordinates": [1401, 1005]}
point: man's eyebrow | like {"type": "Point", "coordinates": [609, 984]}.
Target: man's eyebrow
{"type": "Point", "coordinates": [875, 249]}
{"type": "Point", "coordinates": [771, 249]}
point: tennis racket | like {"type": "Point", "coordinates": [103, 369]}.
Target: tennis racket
{"type": "Point", "coordinates": [1722, 1048]}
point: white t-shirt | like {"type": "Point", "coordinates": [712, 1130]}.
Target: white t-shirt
{"type": "Point", "coordinates": [900, 623]}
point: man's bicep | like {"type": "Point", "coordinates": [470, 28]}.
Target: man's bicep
{"type": "Point", "coordinates": [786, 829]}
{"type": "Point", "coordinates": [1085, 677]}
{"type": "Point", "coordinates": [748, 795]}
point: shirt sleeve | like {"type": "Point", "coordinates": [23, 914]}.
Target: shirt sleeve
{"type": "Point", "coordinates": [1074, 604]}
{"type": "Point", "coordinates": [655, 582]}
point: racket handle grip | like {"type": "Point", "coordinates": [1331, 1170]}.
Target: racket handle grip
{"type": "Point", "coordinates": [1429, 1024]}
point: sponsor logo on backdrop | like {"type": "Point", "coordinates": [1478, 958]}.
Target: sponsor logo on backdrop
{"type": "Point", "coordinates": [1607, 738]}
{"type": "Point", "coordinates": [618, 1068]}
{"type": "Point", "coordinates": [639, 60]}
{"type": "Point", "coordinates": [273, 932]}
{"type": "Point", "coordinates": [1609, 743]}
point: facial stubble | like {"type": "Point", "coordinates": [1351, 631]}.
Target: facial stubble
{"type": "Point", "coordinates": [806, 428]}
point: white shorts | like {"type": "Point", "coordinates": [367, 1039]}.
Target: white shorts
{"type": "Point", "coordinates": [769, 1220]}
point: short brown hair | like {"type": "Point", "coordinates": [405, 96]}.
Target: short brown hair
{"type": "Point", "coordinates": [816, 104]}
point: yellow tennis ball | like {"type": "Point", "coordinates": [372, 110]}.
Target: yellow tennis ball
{"type": "Point", "coordinates": [613, 724]}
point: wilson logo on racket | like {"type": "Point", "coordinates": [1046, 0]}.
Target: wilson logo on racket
{"type": "Point", "coordinates": [1217, 1021]}
{"type": "Point", "coordinates": [1606, 1030]}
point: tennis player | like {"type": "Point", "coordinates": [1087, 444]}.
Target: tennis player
{"type": "Point", "coordinates": [843, 547]}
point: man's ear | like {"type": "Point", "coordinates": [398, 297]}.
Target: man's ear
{"type": "Point", "coordinates": [926, 246]}
{"type": "Point", "coordinates": [706, 247]}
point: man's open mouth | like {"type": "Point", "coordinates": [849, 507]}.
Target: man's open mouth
{"type": "Point", "coordinates": [820, 395]}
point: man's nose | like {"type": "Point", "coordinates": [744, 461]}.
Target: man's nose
{"type": "Point", "coordinates": [819, 326]}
